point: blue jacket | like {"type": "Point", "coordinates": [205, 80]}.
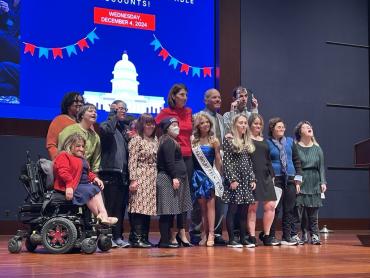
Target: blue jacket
{"type": "Point", "coordinates": [294, 167]}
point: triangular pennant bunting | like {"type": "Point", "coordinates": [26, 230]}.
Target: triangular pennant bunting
{"type": "Point", "coordinates": [174, 62]}
{"type": "Point", "coordinates": [58, 51]}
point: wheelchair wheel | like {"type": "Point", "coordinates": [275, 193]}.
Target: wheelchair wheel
{"type": "Point", "coordinates": [104, 243]}
{"type": "Point", "coordinates": [88, 246]}
{"type": "Point", "coordinates": [30, 246]}
{"type": "Point", "coordinates": [59, 235]}
{"type": "Point", "coordinates": [14, 245]}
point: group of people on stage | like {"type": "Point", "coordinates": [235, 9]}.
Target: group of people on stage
{"type": "Point", "coordinates": [200, 163]}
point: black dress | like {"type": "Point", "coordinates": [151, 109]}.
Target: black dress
{"type": "Point", "coordinates": [170, 165]}
{"type": "Point", "coordinates": [263, 171]}
{"type": "Point", "coordinates": [237, 167]}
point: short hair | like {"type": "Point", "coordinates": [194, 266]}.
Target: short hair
{"type": "Point", "coordinates": [239, 89]}
{"type": "Point", "coordinates": [173, 91]}
{"type": "Point", "coordinates": [142, 121]}
{"type": "Point", "coordinates": [119, 101]}
{"type": "Point", "coordinates": [72, 140]}
{"type": "Point", "coordinates": [83, 109]}
{"type": "Point", "coordinates": [68, 100]}
{"type": "Point", "coordinates": [208, 92]}
{"type": "Point", "coordinates": [272, 124]}
{"type": "Point", "coordinates": [252, 117]}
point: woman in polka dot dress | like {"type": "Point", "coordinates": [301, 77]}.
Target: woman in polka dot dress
{"type": "Point", "coordinates": [239, 176]}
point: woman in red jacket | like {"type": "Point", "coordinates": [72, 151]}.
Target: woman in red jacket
{"type": "Point", "coordinates": [176, 100]}
{"type": "Point", "coordinates": [73, 176]}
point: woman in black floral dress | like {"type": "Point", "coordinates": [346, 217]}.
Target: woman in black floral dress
{"type": "Point", "coordinates": [240, 179]}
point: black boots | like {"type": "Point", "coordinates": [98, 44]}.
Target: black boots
{"type": "Point", "coordinates": [137, 238]}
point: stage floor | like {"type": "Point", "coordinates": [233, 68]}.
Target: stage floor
{"type": "Point", "coordinates": [341, 255]}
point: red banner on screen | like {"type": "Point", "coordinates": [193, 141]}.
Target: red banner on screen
{"type": "Point", "coordinates": [124, 19]}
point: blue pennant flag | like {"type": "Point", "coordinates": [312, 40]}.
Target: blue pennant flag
{"type": "Point", "coordinates": [92, 37]}
{"type": "Point", "coordinates": [173, 62]}
{"type": "Point", "coordinates": [156, 44]}
{"type": "Point", "coordinates": [196, 71]}
{"type": "Point", "coordinates": [43, 52]}
{"type": "Point", "coordinates": [71, 49]}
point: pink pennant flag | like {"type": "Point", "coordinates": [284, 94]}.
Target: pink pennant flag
{"type": "Point", "coordinates": [206, 72]}
{"type": "Point", "coordinates": [82, 44]}
{"type": "Point", "coordinates": [185, 67]}
{"type": "Point", "coordinates": [29, 48]}
{"type": "Point", "coordinates": [163, 53]}
{"type": "Point", "coordinates": [57, 52]}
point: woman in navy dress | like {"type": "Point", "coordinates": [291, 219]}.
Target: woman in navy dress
{"type": "Point", "coordinates": [206, 154]}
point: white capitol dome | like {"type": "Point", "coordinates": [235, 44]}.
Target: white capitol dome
{"type": "Point", "coordinates": [126, 87]}
{"type": "Point", "coordinates": [124, 77]}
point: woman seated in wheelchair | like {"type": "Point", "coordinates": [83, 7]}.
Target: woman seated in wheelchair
{"type": "Point", "coordinates": [72, 175]}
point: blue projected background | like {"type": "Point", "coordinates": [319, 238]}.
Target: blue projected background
{"type": "Point", "coordinates": [66, 51]}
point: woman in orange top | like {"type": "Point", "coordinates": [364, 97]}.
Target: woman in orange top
{"type": "Point", "coordinates": [71, 104]}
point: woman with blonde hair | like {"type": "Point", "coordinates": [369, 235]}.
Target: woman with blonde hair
{"type": "Point", "coordinates": [206, 180]}
{"type": "Point", "coordinates": [73, 177]}
{"type": "Point", "coordinates": [239, 177]}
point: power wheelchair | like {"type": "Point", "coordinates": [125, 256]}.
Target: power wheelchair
{"type": "Point", "coordinates": [57, 224]}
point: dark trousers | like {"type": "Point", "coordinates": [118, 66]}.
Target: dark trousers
{"type": "Point", "coordinates": [232, 211]}
{"type": "Point", "coordinates": [307, 220]}
{"type": "Point", "coordinates": [287, 203]}
{"type": "Point", "coordinates": [181, 219]}
{"type": "Point", "coordinates": [116, 199]}
{"type": "Point", "coordinates": [165, 224]}
{"type": "Point", "coordinates": [140, 224]}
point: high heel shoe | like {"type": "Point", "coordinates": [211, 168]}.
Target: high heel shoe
{"type": "Point", "coordinates": [112, 220]}
{"type": "Point", "coordinates": [211, 241]}
{"type": "Point", "coordinates": [183, 243]}
{"type": "Point", "coordinates": [106, 220]}
{"type": "Point", "coordinates": [203, 241]}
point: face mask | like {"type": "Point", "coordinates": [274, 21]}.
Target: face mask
{"type": "Point", "coordinates": [174, 130]}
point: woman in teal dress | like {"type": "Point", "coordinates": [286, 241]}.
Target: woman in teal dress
{"type": "Point", "coordinates": [206, 179]}
{"type": "Point", "coordinates": [314, 182]}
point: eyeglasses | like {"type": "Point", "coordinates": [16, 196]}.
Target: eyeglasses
{"type": "Point", "coordinates": [78, 102]}
{"type": "Point", "coordinates": [122, 109]}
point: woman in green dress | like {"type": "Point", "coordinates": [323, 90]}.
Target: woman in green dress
{"type": "Point", "coordinates": [314, 182]}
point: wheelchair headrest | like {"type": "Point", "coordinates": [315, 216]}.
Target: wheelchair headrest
{"type": "Point", "coordinates": [47, 167]}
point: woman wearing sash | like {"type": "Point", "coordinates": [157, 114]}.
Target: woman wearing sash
{"type": "Point", "coordinates": [205, 181]}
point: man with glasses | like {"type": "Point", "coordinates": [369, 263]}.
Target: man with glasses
{"type": "Point", "coordinates": [71, 104]}
{"type": "Point", "coordinates": [239, 106]}
{"type": "Point", "coordinates": [114, 167]}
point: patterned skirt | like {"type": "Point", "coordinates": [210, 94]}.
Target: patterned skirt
{"type": "Point", "coordinates": [169, 200]}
